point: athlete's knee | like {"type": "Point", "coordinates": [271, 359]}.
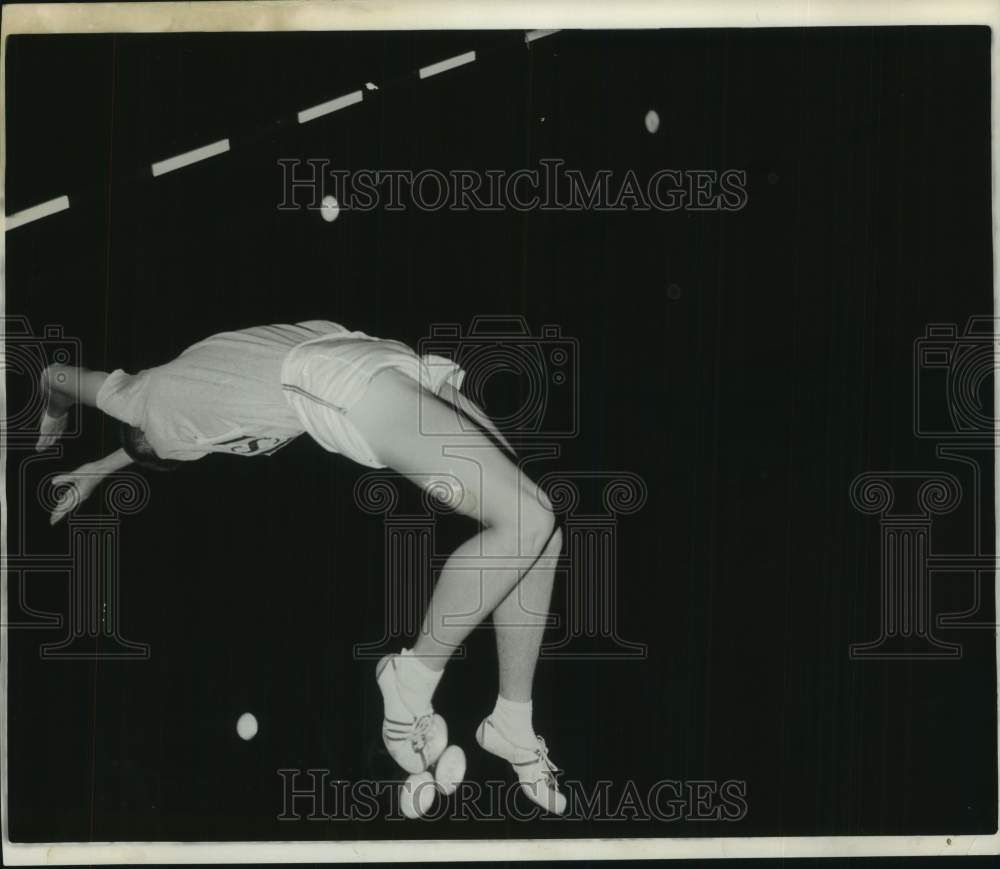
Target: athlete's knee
{"type": "Point", "coordinates": [538, 524]}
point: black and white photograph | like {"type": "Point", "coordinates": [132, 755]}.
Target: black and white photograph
{"type": "Point", "coordinates": [436, 432]}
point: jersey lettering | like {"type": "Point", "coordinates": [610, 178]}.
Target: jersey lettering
{"type": "Point", "coordinates": [252, 446]}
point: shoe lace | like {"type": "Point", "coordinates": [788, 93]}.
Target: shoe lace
{"type": "Point", "coordinates": [549, 769]}
{"type": "Point", "coordinates": [418, 739]}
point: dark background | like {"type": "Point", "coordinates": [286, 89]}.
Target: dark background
{"type": "Point", "coordinates": [747, 398]}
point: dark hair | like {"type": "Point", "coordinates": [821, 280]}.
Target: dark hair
{"type": "Point", "coordinates": [140, 451]}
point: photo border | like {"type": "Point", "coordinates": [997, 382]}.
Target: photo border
{"type": "Point", "coordinates": [308, 15]}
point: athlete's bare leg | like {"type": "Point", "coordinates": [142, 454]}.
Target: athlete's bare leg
{"type": "Point", "coordinates": [506, 569]}
{"type": "Point", "coordinates": [520, 618]}
{"type": "Point", "coordinates": [519, 622]}
{"type": "Point", "coordinates": [485, 573]}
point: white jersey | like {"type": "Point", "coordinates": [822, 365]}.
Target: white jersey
{"type": "Point", "coordinates": [221, 395]}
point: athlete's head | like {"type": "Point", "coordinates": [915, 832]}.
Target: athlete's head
{"type": "Point", "coordinates": [140, 451]}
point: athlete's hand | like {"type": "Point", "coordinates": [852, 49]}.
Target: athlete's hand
{"type": "Point", "coordinates": [76, 488]}
{"type": "Point", "coordinates": [50, 430]}
{"type": "Point", "coordinates": [52, 425]}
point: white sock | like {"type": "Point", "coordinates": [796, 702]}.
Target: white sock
{"type": "Point", "coordinates": [415, 682]}
{"type": "Point", "coordinates": [513, 720]}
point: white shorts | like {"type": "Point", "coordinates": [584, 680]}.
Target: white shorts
{"type": "Point", "coordinates": [324, 377]}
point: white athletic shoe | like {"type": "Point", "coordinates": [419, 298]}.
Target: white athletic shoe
{"type": "Point", "coordinates": [417, 743]}
{"type": "Point", "coordinates": [532, 765]}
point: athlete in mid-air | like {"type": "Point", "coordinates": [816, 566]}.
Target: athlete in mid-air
{"type": "Point", "coordinates": [375, 401]}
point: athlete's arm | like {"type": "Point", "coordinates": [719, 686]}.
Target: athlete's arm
{"type": "Point", "coordinates": [81, 483]}
{"type": "Point", "coordinates": [474, 412]}
{"type": "Point", "coordinates": [70, 384]}
{"type": "Point", "coordinates": [65, 385]}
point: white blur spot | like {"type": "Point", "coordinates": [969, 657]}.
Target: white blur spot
{"type": "Point", "coordinates": [370, 86]}
{"type": "Point", "coordinates": [652, 121]}
{"type": "Point", "coordinates": [330, 208]}
{"type": "Point", "coordinates": [416, 794]}
{"type": "Point", "coordinates": [450, 769]}
{"type": "Point", "coordinates": [246, 726]}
